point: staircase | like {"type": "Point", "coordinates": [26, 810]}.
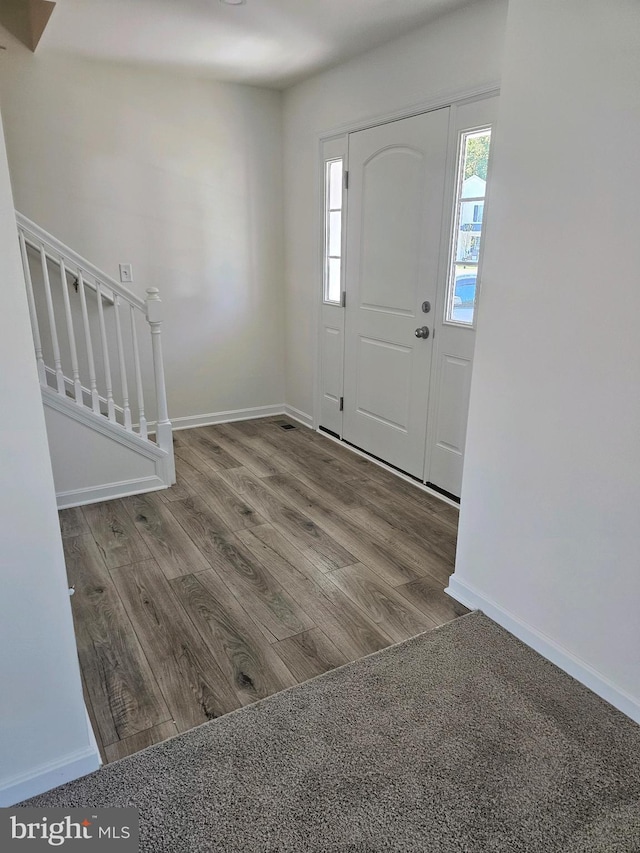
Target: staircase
{"type": "Point", "coordinates": [99, 356]}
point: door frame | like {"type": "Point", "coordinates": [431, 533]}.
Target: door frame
{"type": "Point", "coordinates": [333, 138]}
{"type": "Point", "coordinates": [456, 130]}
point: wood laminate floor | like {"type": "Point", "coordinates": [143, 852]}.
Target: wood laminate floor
{"type": "Point", "coordinates": [278, 555]}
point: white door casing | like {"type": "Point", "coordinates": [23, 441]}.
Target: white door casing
{"type": "Point", "coordinates": [454, 344]}
{"type": "Point", "coordinates": [396, 183]}
{"type": "Point", "coordinates": [446, 382]}
{"type": "Point", "coordinates": [331, 330]}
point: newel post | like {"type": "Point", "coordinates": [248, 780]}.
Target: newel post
{"type": "Point", "coordinates": [163, 428]}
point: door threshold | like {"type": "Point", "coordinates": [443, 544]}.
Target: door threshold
{"type": "Point", "coordinates": [451, 498]}
{"type": "Point", "coordinates": [429, 488]}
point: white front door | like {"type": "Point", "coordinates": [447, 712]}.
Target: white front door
{"type": "Point", "coordinates": [396, 184]}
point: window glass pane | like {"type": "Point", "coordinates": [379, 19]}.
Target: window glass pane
{"type": "Point", "coordinates": [335, 185]}
{"type": "Point", "coordinates": [333, 288]}
{"type": "Point", "coordinates": [467, 232]}
{"type": "Point", "coordinates": [470, 228]}
{"type": "Point", "coordinates": [476, 160]}
{"type": "Point", "coordinates": [464, 293]}
{"type": "Point", "coordinates": [332, 230]}
{"type": "Point", "coordinates": [335, 234]}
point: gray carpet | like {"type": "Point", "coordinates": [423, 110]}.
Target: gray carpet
{"type": "Point", "coordinates": [461, 739]}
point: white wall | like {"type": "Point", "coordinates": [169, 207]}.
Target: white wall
{"type": "Point", "coordinates": [43, 729]}
{"type": "Point", "coordinates": [90, 465]}
{"type": "Point", "coordinates": [180, 177]}
{"type": "Point", "coordinates": [549, 537]}
{"type": "Point", "coordinates": [454, 53]}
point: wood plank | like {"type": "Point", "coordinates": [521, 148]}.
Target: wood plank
{"type": "Point", "coordinates": [422, 547]}
{"type": "Point", "coordinates": [203, 444]}
{"type": "Point", "coordinates": [275, 611]}
{"type": "Point", "coordinates": [187, 456]}
{"type": "Point", "coordinates": [427, 541]}
{"type": "Point", "coordinates": [181, 488]}
{"type": "Point", "coordinates": [224, 501]}
{"type": "Point", "coordinates": [249, 428]}
{"type": "Point", "coordinates": [122, 748]}
{"type": "Point", "coordinates": [255, 443]}
{"type": "Point", "coordinates": [369, 469]}
{"type": "Point", "coordinates": [332, 611]}
{"type": "Point", "coordinates": [429, 597]}
{"type": "Point", "coordinates": [310, 654]}
{"type": "Point", "coordinates": [239, 647]}
{"type": "Point", "coordinates": [317, 475]}
{"type": "Point", "coordinates": [234, 443]}
{"type": "Point", "coordinates": [359, 466]}
{"type": "Point", "coordinates": [424, 555]}
{"type": "Point", "coordinates": [388, 558]}
{"type": "Point", "coordinates": [409, 550]}
{"type": "Point", "coordinates": [118, 540]}
{"type": "Point", "coordinates": [316, 458]}
{"type": "Point", "coordinates": [422, 528]}
{"type": "Point", "coordinates": [382, 604]}
{"type": "Point", "coordinates": [387, 497]}
{"type": "Point", "coordinates": [177, 492]}
{"type": "Point", "coordinates": [123, 691]}
{"type": "Point", "coordinates": [73, 522]}
{"type": "Point", "coordinates": [166, 539]}
{"type": "Point", "coordinates": [92, 717]}
{"type": "Point", "coordinates": [409, 491]}
{"type": "Point", "coordinates": [317, 545]}
{"type": "Point", "coordinates": [191, 681]}
{"type": "Point", "coordinates": [179, 437]}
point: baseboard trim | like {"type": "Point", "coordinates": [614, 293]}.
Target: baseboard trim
{"type": "Point", "coordinates": [93, 741]}
{"type": "Point", "coordinates": [297, 415]}
{"type": "Point", "coordinates": [48, 776]}
{"type": "Point", "coordinates": [249, 414]}
{"type": "Point", "coordinates": [226, 417]}
{"type": "Point", "coordinates": [580, 670]}
{"type": "Point", "coordinates": [111, 491]}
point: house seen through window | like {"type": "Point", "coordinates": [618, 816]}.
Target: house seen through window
{"type": "Point", "coordinates": [467, 232]}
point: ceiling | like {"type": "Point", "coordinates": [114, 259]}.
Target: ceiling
{"type": "Point", "coordinates": [264, 42]}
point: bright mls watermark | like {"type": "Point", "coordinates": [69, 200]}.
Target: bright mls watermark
{"type": "Point", "coordinates": [69, 829]}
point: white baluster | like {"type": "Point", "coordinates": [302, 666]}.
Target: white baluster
{"type": "Point", "coordinates": [163, 429]}
{"type": "Point", "coordinates": [136, 355]}
{"type": "Point", "coordinates": [35, 327]}
{"type": "Point", "coordinates": [77, 384]}
{"type": "Point", "coordinates": [93, 385]}
{"type": "Point", "coordinates": [52, 323]}
{"type": "Point", "coordinates": [111, 408]}
{"type": "Point", "coordinates": [123, 368]}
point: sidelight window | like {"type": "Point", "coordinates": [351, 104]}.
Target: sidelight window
{"type": "Point", "coordinates": [333, 231]}
{"type": "Point", "coordinates": [467, 231]}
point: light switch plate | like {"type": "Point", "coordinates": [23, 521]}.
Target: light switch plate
{"type": "Point", "coordinates": [126, 273]}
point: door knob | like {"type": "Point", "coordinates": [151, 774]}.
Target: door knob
{"type": "Point", "coordinates": [422, 332]}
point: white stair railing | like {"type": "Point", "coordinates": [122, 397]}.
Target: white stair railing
{"type": "Point", "coordinates": [57, 268]}
{"type": "Point", "coordinates": [95, 397]}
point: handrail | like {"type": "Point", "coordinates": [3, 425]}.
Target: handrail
{"type": "Point", "coordinates": [35, 243]}
{"type": "Point", "coordinates": [59, 266]}
{"type": "Point", "coordinates": [62, 251]}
